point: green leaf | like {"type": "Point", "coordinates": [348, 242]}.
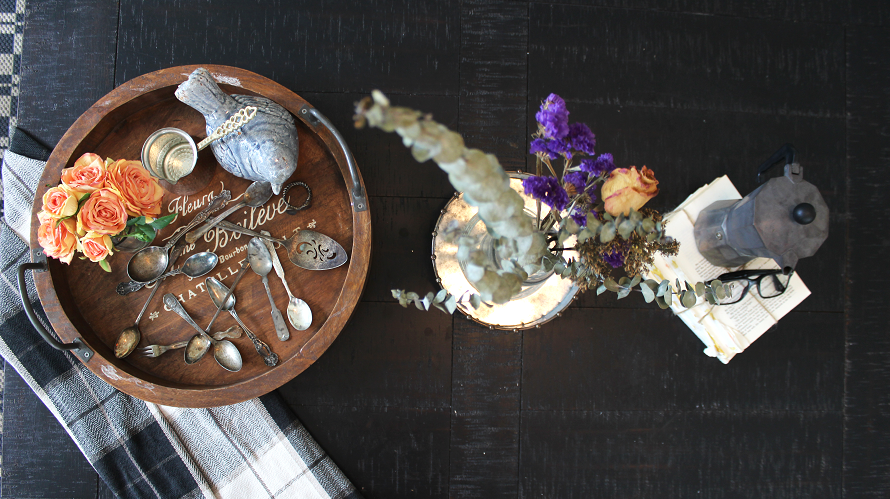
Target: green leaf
{"type": "Point", "coordinates": [636, 280]}
{"type": "Point", "coordinates": [563, 235]}
{"type": "Point", "coordinates": [440, 296]}
{"type": "Point", "coordinates": [593, 223]}
{"type": "Point", "coordinates": [572, 226]}
{"type": "Point", "coordinates": [475, 301]}
{"type": "Point", "coordinates": [709, 295]}
{"type": "Point", "coordinates": [607, 217]}
{"type": "Point", "coordinates": [160, 223]}
{"type": "Point", "coordinates": [135, 221]}
{"type": "Point", "coordinates": [601, 289]}
{"type": "Point", "coordinates": [651, 237]}
{"type": "Point", "coordinates": [397, 293]}
{"type": "Point", "coordinates": [699, 288]}
{"type": "Point", "coordinates": [104, 264]}
{"type": "Point", "coordinates": [611, 285]}
{"type": "Point", "coordinates": [412, 296]}
{"type": "Point", "coordinates": [608, 232]}
{"type": "Point", "coordinates": [451, 304]}
{"type": "Point", "coordinates": [688, 299]}
{"type": "Point", "coordinates": [624, 281]}
{"type": "Point", "coordinates": [625, 229]}
{"type": "Point", "coordinates": [717, 286]}
{"type": "Point", "coordinates": [584, 235]}
{"type": "Point", "coordinates": [421, 305]}
{"type": "Point", "coordinates": [663, 287]}
{"type": "Point", "coordinates": [648, 294]}
{"type": "Point", "coordinates": [648, 224]}
{"type": "Point", "coordinates": [662, 304]}
{"type": "Point", "coordinates": [623, 292]}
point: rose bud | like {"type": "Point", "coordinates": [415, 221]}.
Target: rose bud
{"type": "Point", "coordinates": [57, 237]}
{"type": "Point", "coordinates": [87, 174]}
{"type": "Point", "coordinates": [60, 202]}
{"type": "Point", "coordinates": [103, 213]}
{"type": "Point", "coordinates": [95, 246]}
{"type": "Point", "coordinates": [627, 188]}
{"type": "Point", "coordinates": [140, 191]}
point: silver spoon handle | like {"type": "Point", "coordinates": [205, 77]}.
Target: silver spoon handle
{"type": "Point", "coordinates": [276, 263]}
{"type": "Point", "coordinates": [237, 228]}
{"type": "Point", "coordinates": [126, 288]}
{"type": "Point", "coordinates": [270, 358]}
{"type": "Point", "coordinates": [277, 319]}
{"type": "Point", "coordinates": [171, 301]}
{"type": "Point", "coordinates": [145, 307]}
{"type": "Point", "coordinates": [193, 236]}
{"type": "Point", "coordinates": [244, 265]}
{"type": "Point", "coordinates": [215, 204]}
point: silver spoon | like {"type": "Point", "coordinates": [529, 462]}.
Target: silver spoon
{"type": "Point", "coordinates": [158, 350]}
{"type": "Point", "coordinates": [256, 195]}
{"type": "Point", "coordinates": [298, 312]}
{"type": "Point", "coordinates": [130, 336]}
{"type": "Point", "coordinates": [194, 266]}
{"type": "Point", "coordinates": [150, 262]}
{"type": "Point", "coordinates": [307, 249]}
{"type": "Point", "coordinates": [225, 352]}
{"type": "Point", "coordinates": [218, 291]}
{"type": "Point", "coordinates": [261, 263]}
{"type": "Point", "coordinates": [198, 345]}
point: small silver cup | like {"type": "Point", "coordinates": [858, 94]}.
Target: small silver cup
{"type": "Point", "coordinates": [170, 154]}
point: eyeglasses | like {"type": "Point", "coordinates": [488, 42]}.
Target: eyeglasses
{"type": "Point", "coordinates": [769, 284]}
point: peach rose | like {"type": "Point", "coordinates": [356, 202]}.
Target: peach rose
{"type": "Point", "coordinates": [57, 237]}
{"type": "Point", "coordinates": [141, 192]}
{"type": "Point", "coordinates": [103, 213]}
{"type": "Point", "coordinates": [95, 246]}
{"type": "Point", "coordinates": [60, 202]}
{"type": "Point", "coordinates": [627, 188]}
{"type": "Point", "coordinates": [87, 174]}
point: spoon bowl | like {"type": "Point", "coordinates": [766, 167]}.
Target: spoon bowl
{"type": "Point", "coordinates": [195, 266]}
{"type": "Point", "coordinates": [225, 352]}
{"type": "Point", "coordinates": [261, 262]}
{"type": "Point", "coordinates": [218, 292]}
{"type": "Point", "coordinates": [298, 312]}
{"type": "Point", "coordinates": [196, 348]}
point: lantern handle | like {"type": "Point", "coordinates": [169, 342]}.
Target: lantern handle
{"type": "Point", "coordinates": [788, 152]}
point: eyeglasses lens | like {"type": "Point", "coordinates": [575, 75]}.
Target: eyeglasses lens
{"type": "Point", "coordinates": [771, 286]}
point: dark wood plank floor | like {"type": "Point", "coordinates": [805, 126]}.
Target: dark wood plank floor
{"type": "Point", "coordinates": [614, 399]}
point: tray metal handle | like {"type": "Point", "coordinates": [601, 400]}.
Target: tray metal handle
{"type": "Point", "coordinates": [78, 347]}
{"type": "Point", "coordinates": [359, 198]}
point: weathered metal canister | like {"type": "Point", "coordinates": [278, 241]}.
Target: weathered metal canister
{"type": "Point", "coordinates": [784, 219]}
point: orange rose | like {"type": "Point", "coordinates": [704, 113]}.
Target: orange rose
{"type": "Point", "coordinates": [141, 192]}
{"type": "Point", "coordinates": [95, 246]}
{"type": "Point", "coordinates": [103, 213]}
{"type": "Point", "coordinates": [87, 174]}
{"type": "Point", "coordinates": [60, 202]}
{"type": "Point", "coordinates": [627, 188]}
{"type": "Point", "coordinates": [57, 237]}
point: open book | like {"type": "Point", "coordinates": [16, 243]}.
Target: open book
{"type": "Point", "coordinates": [724, 329]}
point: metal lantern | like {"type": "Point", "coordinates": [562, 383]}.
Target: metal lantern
{"type": "Point", "coordinates": [784, 219]}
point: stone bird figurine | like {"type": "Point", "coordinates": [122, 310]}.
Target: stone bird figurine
{"type": "Point", "coordinates": [264, 149]}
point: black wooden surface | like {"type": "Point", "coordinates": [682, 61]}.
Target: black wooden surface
{"type": "Point", "coordinates": [615, 398]}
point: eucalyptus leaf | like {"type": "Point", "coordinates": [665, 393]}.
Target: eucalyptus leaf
{"type": "Point", "coordinates": [601, 289]}
{"type": "Point", "coordinates": [688, 299]}
{"type": "Point", "coordinates": [421, 305]}
{"type": "Point", "coordinates": [608, 232]}
{"type": "Point", "coordinates": [412, 296]}
{"type": "Point", "coordinates": [623, 292]}
{"type": "Point", "coordinates": [717, 286]}
{"type": "Point", "coordinates": [563, 235]}
{"type": "Point", "coordinates": [611, 285]}
{"type": "Point", "coordinates": [651, 237]}
{"type": "Point", "coordinates": [625, 229]}
{"type": "Point", "coordinates": [475, 300]}
{"type": "Point", "coordinates": [709, 295]}
{"type": "Point", "coordinates": [636, 280]}
{"type": "Point", "coordinates": [397, 293]}
{"type": "Point", "coordinates": [572, 226]}
{"type": "Point", "coordinates": [648, 294]}
{"type": "Point", "coordinates": [663, 287]}
{"type": "Point", "coordinates": [662, 304]}
{"type": "Point", "coordinates": [451, 304]}
{"type": "Point", "coordinates": [584, 235]}
{"type": "Point", "coordinates": [699, 288]}
{"type": "Point", "coordinates": [440, 296]}
{"type": "Point", "coordinates": [648, 225]}
{"type": "Point", "coordinates": [624, 281]}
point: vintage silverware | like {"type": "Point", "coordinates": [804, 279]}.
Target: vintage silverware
{"type": "Point", "coordinates": [158, 350]}
{"type": "Point", "coordinates": [130, 336]}
{"type": "Point", "coordinates": [198, 345]}
{"type": "Point", "coordinates": [150, 262]}
{"type": "Point", "coordinates": [224, 299]}
{"type": "Point", "coordinates": [225, 352]}
{"type": "Point", "coordinates": [195, 266]}
{"type": "Point", "coordinates": [261, 263]}
{"type": "Point", "coordinates": [256, 195]}
{"type": "Point", "coordinates": [298, 312]}
{"type": "Point", "coordinates": [306, 249]}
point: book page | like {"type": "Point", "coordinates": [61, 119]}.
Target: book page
{"type": "Point", "coordinates": [724, 329]}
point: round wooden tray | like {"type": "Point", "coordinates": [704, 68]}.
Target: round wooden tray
{"type": "Point", "coordinates": [80, 299]}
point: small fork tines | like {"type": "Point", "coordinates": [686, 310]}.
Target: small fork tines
{"type": "Point", "coordinates": [158, 350]}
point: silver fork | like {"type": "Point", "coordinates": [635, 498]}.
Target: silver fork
{"type": "Point", "coordinates": [158, 350]}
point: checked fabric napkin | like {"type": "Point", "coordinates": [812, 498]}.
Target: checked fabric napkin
{"type": "Point", "coordinates": [255, 449]}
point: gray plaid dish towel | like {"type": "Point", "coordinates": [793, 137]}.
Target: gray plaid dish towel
{"type": "Point", "coordinates": [255, 449]}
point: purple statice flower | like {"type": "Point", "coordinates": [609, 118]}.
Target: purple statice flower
{"type": "Point", "coordinates": [578, 179]}
{"type": "Point", "coordinates": [554, 117]}
{"type": "Point", "coordinates": [599, 166]}
{"type": "Point", "coordinates": [579, 216]}
{"type": "Point", "coordinates": [581, 138]}
{"type": "Point", "coordinates": [616, 259]}
{"type": "Point", "coordinates": [550, 147]}
{"type": "Point", "coordinates": [547, 190]}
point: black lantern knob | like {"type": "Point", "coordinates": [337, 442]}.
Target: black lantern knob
{"type": "Point", "coordinates": [804, 213]}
